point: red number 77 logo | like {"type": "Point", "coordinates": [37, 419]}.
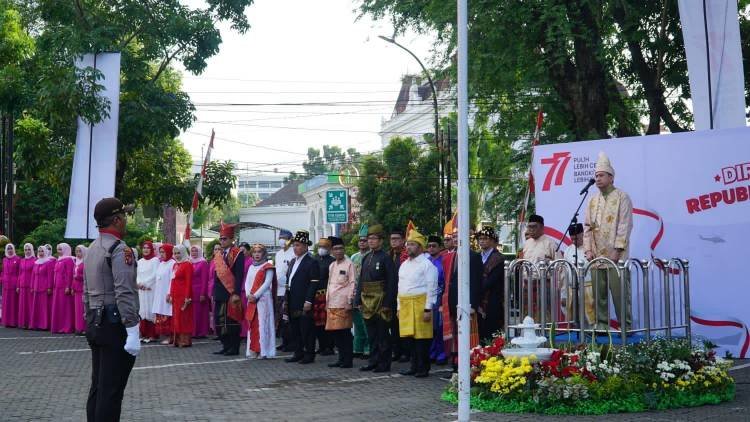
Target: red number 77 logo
{"type": "Point", "coordinates": [559, 162]}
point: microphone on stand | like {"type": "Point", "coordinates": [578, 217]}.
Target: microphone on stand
{"type": "Point", "coordinates": [588, 185]}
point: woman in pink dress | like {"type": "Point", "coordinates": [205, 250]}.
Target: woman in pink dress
{"type": "Point", "coordinates": [41, 290]}
{"type": "Point", "coordinates": [62, 291]}
{"type": "Point", "coordinates": [79, 320]}
{"type": "Point", "coordinates": [24, 286]}
{"type": "Point", "coordinates": [11, 268]}
{"type": "Point", "coordinates": [201, 303]}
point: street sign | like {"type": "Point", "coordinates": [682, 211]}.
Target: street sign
{"type": "Point", "coordinates": [337, 207]}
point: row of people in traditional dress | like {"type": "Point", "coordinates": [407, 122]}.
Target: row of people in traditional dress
{"type": "Point", "coordinates": [41, 291]}
{"type": "Point", "coordinates": [174, 292]}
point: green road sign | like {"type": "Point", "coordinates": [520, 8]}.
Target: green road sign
{"type": "Point", "coordinates": [337, 207]}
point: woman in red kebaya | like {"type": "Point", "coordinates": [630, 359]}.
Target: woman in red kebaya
{"type": "Point", "coordinates": [180, 296]}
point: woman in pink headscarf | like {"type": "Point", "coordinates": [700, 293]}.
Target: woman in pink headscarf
{"type": "Point", "coordinates": [79, 322]}
{"type": "Point", "coordinates": [24, 286]}
{"type": "Point", "coordinates": [201, 302]}
{"type": "Point", "coordinates": [41, 289]}
{"type": "Point", "coordinates": [62, 291]}
{"type": "Point", "coordinates": [11, 268]}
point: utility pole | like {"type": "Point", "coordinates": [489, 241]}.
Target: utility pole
{"type": "Point", "coordinates": [464, 381]}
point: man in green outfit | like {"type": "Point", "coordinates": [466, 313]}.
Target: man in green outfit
{"type": "Point", "coordinates": [361, 344]}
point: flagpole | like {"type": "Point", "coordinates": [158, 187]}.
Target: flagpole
{"type": "Point", "coordinates": [463, 311]}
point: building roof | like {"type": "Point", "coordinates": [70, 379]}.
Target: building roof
{"type": "Point", "coordinates": [424, 92]}
{"type": "Point", "coordinates": [288, 195]}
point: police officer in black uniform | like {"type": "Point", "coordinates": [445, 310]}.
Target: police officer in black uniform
{"type": "Point", "coordinates": [111, 302]}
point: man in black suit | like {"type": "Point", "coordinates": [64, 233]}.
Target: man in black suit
{"type": "Point", "coordinates": [493, 279]}
{"type": "Point", "coordinates": [475, 289]}
{"type": "Point", "coordinates": [230, 269]}
{"type": "Point", "coordinates": [304, 276]}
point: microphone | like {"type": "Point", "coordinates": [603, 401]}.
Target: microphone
{"type": "Point", "coordinates": [588, 185]}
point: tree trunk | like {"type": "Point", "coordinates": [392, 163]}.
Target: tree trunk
{"type": "Point", "coordinates": [169, 228]}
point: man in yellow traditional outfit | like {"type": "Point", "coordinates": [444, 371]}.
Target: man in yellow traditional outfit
{"type": "Point", "coordinates": [417, 292]}
{"type": "Point", "coordinates": [608, 224]}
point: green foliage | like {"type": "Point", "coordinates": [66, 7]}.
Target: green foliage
{"type": "Point", "coordinates": [35, 203]}
{"type": "Point", "coordinates": [597, 69]}
{"type": "Point", "coordinates": [621, 403]}
{"type": "Point", "coordinates": [399, 186]}
{"type": "Point", "coordinates": [52, 232]}
{"type": "Point", "coordinates": [39, 42]}
{"type": "Point", "coordinates": [333, 157]}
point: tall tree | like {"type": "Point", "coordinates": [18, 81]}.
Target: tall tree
{"type": "Point", "coordinates": [48, 93]}
{"type": "Point", "coordinates": [598, 69]}
{"type": "Point", "coordinates": [400, 185]}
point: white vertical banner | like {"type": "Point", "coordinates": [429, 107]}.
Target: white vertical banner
{"type": "Point", "coordinates": [714, 36]}
{"type": "Point", "coordinates": [95, 156]}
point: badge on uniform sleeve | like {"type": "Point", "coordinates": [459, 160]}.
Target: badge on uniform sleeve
{"type": "Point", "coordinates": [129, 256]}
{"type": "Point", "coordinates": [377, 266]}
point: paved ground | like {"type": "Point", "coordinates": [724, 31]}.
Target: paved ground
{"type": "Point", "coordinates": [45, 377]}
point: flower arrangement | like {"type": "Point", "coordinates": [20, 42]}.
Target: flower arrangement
{"type": "Point", "coordinates": [589, 379]}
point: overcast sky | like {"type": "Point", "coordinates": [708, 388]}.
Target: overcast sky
{"type": "Point", "coordinates": [298, 51]}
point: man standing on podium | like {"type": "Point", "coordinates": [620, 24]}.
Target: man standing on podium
{"type": "Point", "coordinates": [608, 224]}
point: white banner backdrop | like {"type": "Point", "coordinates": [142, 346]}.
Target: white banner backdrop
{"type": "Point", "coordinates": [691, 199]}
{"type": "Point", "coordinates": [727, 77]}
{"type": "Point", "coordinates": [95, 156]}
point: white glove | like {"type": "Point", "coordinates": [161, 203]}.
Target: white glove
{"type": "Point", "coordinates": [133, 342]}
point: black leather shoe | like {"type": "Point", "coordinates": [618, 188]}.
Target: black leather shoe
{"type": "Point", "coordinates": [357, 356]}
{"type": "Point", "coordinates": [293, 359]}
{"type": "Point", "coordinates": [407, 372]}
{"type": "Point", "coordinates": [281, 347]}
{"type": "Point", "coordinates": [334, 365]}
{"type": "Point", "coordinates": [404, 359]}
{"type": "Point", "coordinates": [326, 352]}
{"type": "Point", "coordinates": [307, 360]}
{"type": "Point", "coordinates": [381, 370]}
{"type": "Point", "coordinates": [367, 368]}
{"type": "Point", "coordinates": [421, 375]}
{"type": "Point", "coordinates": [220, 352]}
{"type": "Point", "coordinates": [345, 365]}
{"type": "Point", "coordinates": [232, 353]}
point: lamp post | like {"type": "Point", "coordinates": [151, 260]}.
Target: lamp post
{"type": "Point", "coordinates": [441, 194]}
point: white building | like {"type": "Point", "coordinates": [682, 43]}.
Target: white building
{"type": "Point", "coordinates": [414, 113]}
{"type": "Point", "coordinates": [284, 209]}
{"type": "Point", "coordinates": [262, 186]}
{"type": "Point", "coordinates": [314, 192]}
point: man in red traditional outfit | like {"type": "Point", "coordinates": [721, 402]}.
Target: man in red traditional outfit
{"type": "Point", "coordinates": [230, 268]}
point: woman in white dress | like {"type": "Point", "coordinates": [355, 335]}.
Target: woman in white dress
{"type": "Point", "coordinates": [146, 279]}
{"type": "Point", "coordinates": [260, 285]}
{"type": "Point", "coordinates": [161, 308]}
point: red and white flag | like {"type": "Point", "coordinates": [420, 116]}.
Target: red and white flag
{"type": "Point", "coordinates": [198, 192]}
{"type": "Point", "coordinates": [530, 187]}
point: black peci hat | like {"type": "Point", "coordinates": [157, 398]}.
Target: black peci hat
{"type": "Point", "coordinates": [302, 236]}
